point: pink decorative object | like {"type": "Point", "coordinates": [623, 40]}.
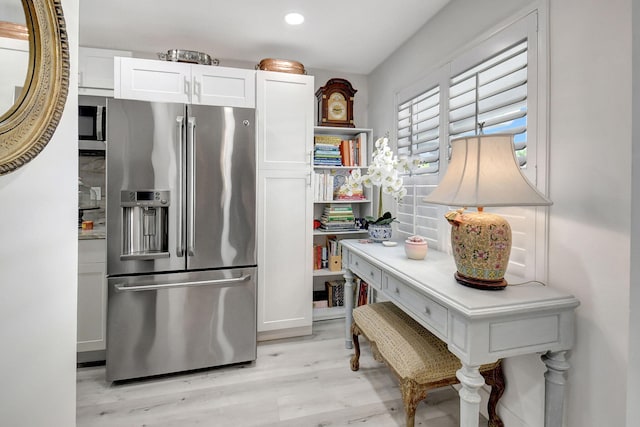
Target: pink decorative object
{"type": "Point", "coordinates": [416, 247]}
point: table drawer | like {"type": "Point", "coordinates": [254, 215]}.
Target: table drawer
{"type": "Point", "coordinates": [367, 271]}
{"type": "Point", "coordinates": [419, 305]}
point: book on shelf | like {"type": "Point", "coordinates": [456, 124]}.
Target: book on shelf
{"type": "Point", "coordinates": [335, 292]}
{"type": "Point", "coordinates": [361, 148]}
{"type": "Point", "coordinates": [340, 208]}
{"type": "Point", "coordinates": [327, 139]}
{"type": "Point", "coordinates": [362, 288]}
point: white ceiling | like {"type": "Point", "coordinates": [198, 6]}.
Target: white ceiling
{"type": "Point", "coordinates": [351, 36]}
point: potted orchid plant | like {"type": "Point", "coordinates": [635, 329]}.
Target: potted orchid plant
{"type": "Point", "coordinates": [384, 173]}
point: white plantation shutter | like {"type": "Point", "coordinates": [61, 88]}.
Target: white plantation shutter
{"type": "Point", "coordinates": [419, 130]}
{"type": "Point", "coordinates": [496, 82]}
{"type": "Point", "coordinates": [494, 93]}
{"type": "Point", "coordinates": [419, 138]}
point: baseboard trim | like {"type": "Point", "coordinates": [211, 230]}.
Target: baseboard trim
{"type": "Point", "coordinates": [284, 333]}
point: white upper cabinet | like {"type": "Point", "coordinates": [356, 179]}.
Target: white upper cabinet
{"type": "Point", "coordinates": [163, 81]}
{"type": "Point", "coordinates": [231, 87]}
{"type": "Point", "coordinates": [285, 120]}
{"type": "Point", "coordinates": [95, 70]}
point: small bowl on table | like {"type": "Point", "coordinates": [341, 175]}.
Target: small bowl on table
{"type": "Point", "coordinates": [416, 247]}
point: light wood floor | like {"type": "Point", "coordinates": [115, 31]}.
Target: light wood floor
{"type": "Point", "coordinates": [294, 382]}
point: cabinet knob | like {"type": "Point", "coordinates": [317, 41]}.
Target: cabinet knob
{"type": "Point", "coordinates": [427, 311]}
{"type": "Point", "coordinates": [397, 291]}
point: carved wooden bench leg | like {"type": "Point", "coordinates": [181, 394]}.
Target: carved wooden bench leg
{"type": "Point", "coordinates": [355, 359]}
{"type": "Point", "coordinates": [412, 395]}
{"type": "Point", "coordinates": [495, 379]}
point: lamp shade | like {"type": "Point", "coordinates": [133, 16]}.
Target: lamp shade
{"type": "Point", "coordinates": [483, 171]}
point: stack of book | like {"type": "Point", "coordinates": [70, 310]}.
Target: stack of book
{"type": "Point", "coordinates": [326, 151]}
{"type": "Point", "coordinates": [338, 218]}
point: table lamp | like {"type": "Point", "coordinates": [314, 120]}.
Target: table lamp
{"type": "Point", "coordinates": [483, 172]}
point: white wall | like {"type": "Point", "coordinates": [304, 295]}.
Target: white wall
{"type": "Point", "coordinates": [38, 264]}
{"type": "Point", "coordinates": [633, 374]}
{"type": "Point", "coordinates": [590, 221]}
{"type": "Point", "coordinates": [590, 176]}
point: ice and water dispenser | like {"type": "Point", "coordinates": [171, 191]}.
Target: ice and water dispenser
{"type": "Point", "coordinates": [145, 224]}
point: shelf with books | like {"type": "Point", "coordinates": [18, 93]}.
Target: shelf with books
{"type": "Point", "coordinates": [341, 147]}
{"type": "Point", "coordinates": [337, 214]}
{"type": "Point", "coordinates": [329, 304]}
{"type": "Point", "coordinates": [325, 272]}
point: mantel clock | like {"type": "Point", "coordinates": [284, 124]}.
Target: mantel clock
{"type": "Point", "coordinates": [335, 103]}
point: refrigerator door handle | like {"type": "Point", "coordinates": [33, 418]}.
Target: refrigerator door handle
{"type": "Point", "coordinates": [180, 222]}
{"type": "Point", "coordinates": [121, 287]}
{"type": "Point", "coordinates": [191, 232]}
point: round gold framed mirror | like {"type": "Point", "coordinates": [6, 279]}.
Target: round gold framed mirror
{"type": "Point", "coordinates": [27, 127]}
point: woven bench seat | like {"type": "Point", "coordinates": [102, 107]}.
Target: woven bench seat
{"type": "Point", "coordinates": [419, 359]}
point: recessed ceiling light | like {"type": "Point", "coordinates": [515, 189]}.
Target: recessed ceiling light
{"type": "Point", "coordinates": [294, 18]}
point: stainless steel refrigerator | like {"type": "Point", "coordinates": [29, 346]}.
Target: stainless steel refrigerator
{"type": "Point", "coordinates": [181, 237]}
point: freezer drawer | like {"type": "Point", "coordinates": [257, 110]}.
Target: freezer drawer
{"type": "Point", "coordinates": [164, 323]}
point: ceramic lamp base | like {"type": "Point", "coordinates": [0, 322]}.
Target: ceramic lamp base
{"type": "Point", "coordinates": [481, 244]}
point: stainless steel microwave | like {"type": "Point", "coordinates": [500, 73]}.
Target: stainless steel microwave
{"type": "Point", "coordinates": [92, 120]}
{"type": "Point", "coordinates": [92, 123]}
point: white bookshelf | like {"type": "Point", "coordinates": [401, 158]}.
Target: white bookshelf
{"type": "Point", "coordinates": [361, 208]}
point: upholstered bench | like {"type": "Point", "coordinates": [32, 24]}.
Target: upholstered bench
{"type": "Point", "coordinates": [419, 359]}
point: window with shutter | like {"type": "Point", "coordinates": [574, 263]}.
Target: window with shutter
{"type": "Point", "coordinates": [494, 83]}
{"type": "Point", "coordinates": [492, 95]}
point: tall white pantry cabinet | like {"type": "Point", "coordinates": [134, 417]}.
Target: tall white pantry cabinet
{"type": "Point", "coordinates": [285, 113]}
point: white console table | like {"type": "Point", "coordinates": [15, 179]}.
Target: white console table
{"type": "Point", "coordinates": [478, 326]}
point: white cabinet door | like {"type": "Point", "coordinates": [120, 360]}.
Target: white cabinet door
{"type": "Point", "coordinates": [166, 81]}
{"type": "Point", "coordinates": [284, 254]}
{"type": "Point", "coordinates": [151, 80]}
{"type": "Point", "coordinates": [284, 104]}
{"type": "Point", "coordinates": [95, 68]}
{"type": "Point", "coordinates": [285, 120]}
{"type": "Point", "coordinates": [92, 295]}
{"type": "Point", "coordinates": [229, 87]}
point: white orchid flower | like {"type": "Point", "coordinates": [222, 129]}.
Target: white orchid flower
{"type": "Point", "coordinates": [383, 172]}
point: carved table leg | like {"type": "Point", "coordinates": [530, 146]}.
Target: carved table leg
{"type": "Point", "coordinates": [348, 306]}
{"type": "Point", "coordinates": [555, 380]}
{"type": "Point", "coordinates": [471, 381]}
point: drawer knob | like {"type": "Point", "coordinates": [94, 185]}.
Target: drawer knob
{"type": "Point", "coordinates": [371, 274]}
{"type": "Point", "coordinates": [397, 291]}
{"type": "Point", "coordinates": [427, 311]}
